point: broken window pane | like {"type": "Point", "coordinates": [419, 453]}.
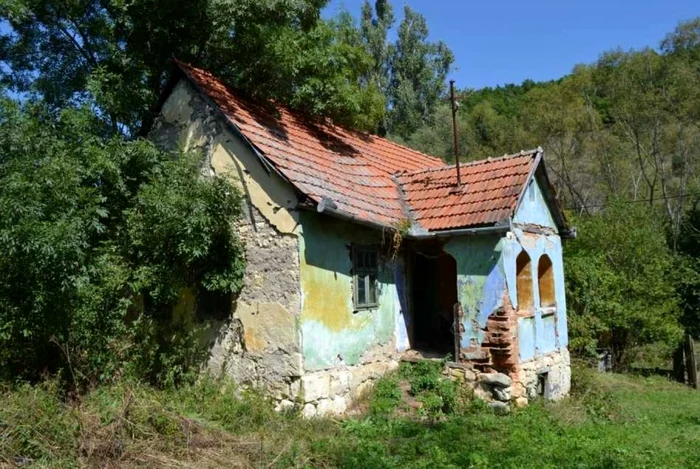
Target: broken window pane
{"type": "Point", "coordinates": [372, 288]}
{"type": "Point", "coordinates": [361, 290]}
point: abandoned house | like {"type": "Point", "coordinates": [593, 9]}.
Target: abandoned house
{"type": "Point", "coordinates": [361, 251]}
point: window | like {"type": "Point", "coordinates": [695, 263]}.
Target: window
{"type": "Point", "coordinates": [542, 387]}
{"type": "Point", "coordinates": [523, 273]}
{"type": "Point", "coordinates": [545, 278]}
{"type": "Point", "coordinates": [364, 269]}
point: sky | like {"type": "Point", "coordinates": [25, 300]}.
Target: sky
{"type": "Point", "coordinates": [509, 41]}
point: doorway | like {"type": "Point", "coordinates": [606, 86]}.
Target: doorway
{"type": "Point", "coordinates": [434, 294]}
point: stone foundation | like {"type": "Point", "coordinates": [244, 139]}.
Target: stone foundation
{"type": "Point", "coordinates": [548, 376]}
{"type": "Point", "coordinates": [555, 366]}
{"type": "Point", "coordinates": [332, 392]}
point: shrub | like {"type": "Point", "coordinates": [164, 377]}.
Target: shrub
{"type": "Point", "coordinates": [586, 387]}
{"type": "Point", "coordinates": [100, 238]}
{"type": "Point", "coordinates": [385, 397]}
{"type": "Point", "coordinates": [620, 292]}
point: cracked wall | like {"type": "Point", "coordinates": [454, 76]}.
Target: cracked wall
{"type": "Point", "coordinates": [499, 335]}
{"type": "Point", "coordinates": [260, 344]}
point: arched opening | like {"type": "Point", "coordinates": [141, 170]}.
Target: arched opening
{"type": "Point", "coordinates": [545, 279]}
{"type": "Point", "coordinates": [523, 272]}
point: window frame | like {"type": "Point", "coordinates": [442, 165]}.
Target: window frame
{"type": "Point", "coordinates": [364, 273]}
{"type": "Point", "coordinates": [524, 280]}
{"type": "Point", "coordinates": [547, 275]}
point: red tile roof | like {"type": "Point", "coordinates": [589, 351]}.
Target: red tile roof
{"type": "Point", "coordinates": [489, 193]}
{"type": "Point", "coordinates": [322, 160]}
{"type": "Point", "coordinates": [369, 177]}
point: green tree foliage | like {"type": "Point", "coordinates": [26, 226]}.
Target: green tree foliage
{"type": "Point", "coordinates": [119, 54]}
{"type": "Point", "coordinates": [410, 72]}
{"type": "Point", "coordinates": [101, 236]}
{"type": "Point", "coordinates": [418, 72]}
{"type": "Point", "coordinates": [620, 283]}
{"type": "Point", "coordinates": [688, 279]}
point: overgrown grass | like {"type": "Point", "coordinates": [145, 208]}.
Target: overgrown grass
{"type": "Point", "coordinates": [609, 421]}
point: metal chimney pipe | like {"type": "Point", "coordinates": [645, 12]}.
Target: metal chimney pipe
{"type": "Point", "coordinates": [454, 130]}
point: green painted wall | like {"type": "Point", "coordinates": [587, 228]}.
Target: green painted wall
{"type": "Point", "coordinates": [332, 332]}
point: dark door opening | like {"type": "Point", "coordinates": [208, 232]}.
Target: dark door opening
{"type": "Point", "coordinates": [434, 294]}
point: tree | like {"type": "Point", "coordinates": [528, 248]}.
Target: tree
{"type": "Point", "coordinates": [418, 72]}
{"type": "Point", "coordinates": [620, 283]}
{"type": "Point", "coordinates": [688, 278]}
{"type": "Point", "coordinates": [118, 55]}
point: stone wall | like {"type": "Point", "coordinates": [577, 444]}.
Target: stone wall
{"type": "Point", "coordinates": [331, 392]}
{"type": "Point", "coordinates": [521, 384]}
{"type": "Point", "coordinates": [259, 344]}
{"type": "Point", "coordinates": [557, 367]}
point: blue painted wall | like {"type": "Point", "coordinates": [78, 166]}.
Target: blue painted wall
{"type": "Point", "coordinates": [481, 281]}
{"type": "Point", "coordinates": [486, 271]}
{"type": "Point", "coordinates": [334, 334]}
{"type": "Point", "coordinates": [533, 208]}
{"type": "Point", "coordinates": [546, 330]}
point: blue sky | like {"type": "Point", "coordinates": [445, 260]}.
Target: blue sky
{"type": "Point", "coordinates": [507, 41]}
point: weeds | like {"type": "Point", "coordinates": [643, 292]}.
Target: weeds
{"type": "Point", "coordinates": [214, 424]}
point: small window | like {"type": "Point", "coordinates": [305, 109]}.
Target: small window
{"type": "Point", "coordinates": [545, 278]}
{"type": "Point", "coordinates": [542, 384]}
{"type": "Point", "coordinates": [364, 269]}
{"type": "Point", "coordinates": [523, 272]}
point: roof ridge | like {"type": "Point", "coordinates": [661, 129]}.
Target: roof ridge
{"type": "Point", "coordinates": [324, 123]}
{"type": "Point", "coordinates": [531, 153]}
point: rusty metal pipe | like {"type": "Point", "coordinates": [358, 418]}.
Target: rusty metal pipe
{"type": "Point", "coordinates": [455, 140]}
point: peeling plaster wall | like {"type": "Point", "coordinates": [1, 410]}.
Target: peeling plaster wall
{"type": "Point", "coordinates": [497, 336]}
{"type": "Point", "coordinates": [333, 333]}
{"type": "Point", "coordinates": [344, 350]}
{"type": "Point", "coordinates": [480, 284]}
{"type": "Point", "coordinates": [542, 332]}
{"type": "Point", "coordinates": [294, 315]}
{"type": "Point", "coordinates": [533, 208]}
{"type": "Point", "coordinates": [261, 343]}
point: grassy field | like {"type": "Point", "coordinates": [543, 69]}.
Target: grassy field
{"type": "Point", "coordinates": [610, 421]}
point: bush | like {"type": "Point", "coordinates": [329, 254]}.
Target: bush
{"type": "Point", "coordinates": [439, 395]}
{"type": "Point", "coordinates": [385, 397]}
{"type": "Point", "coordinates": [620, 292]}
{"type": "Point", "coordinates": [100, 239]}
